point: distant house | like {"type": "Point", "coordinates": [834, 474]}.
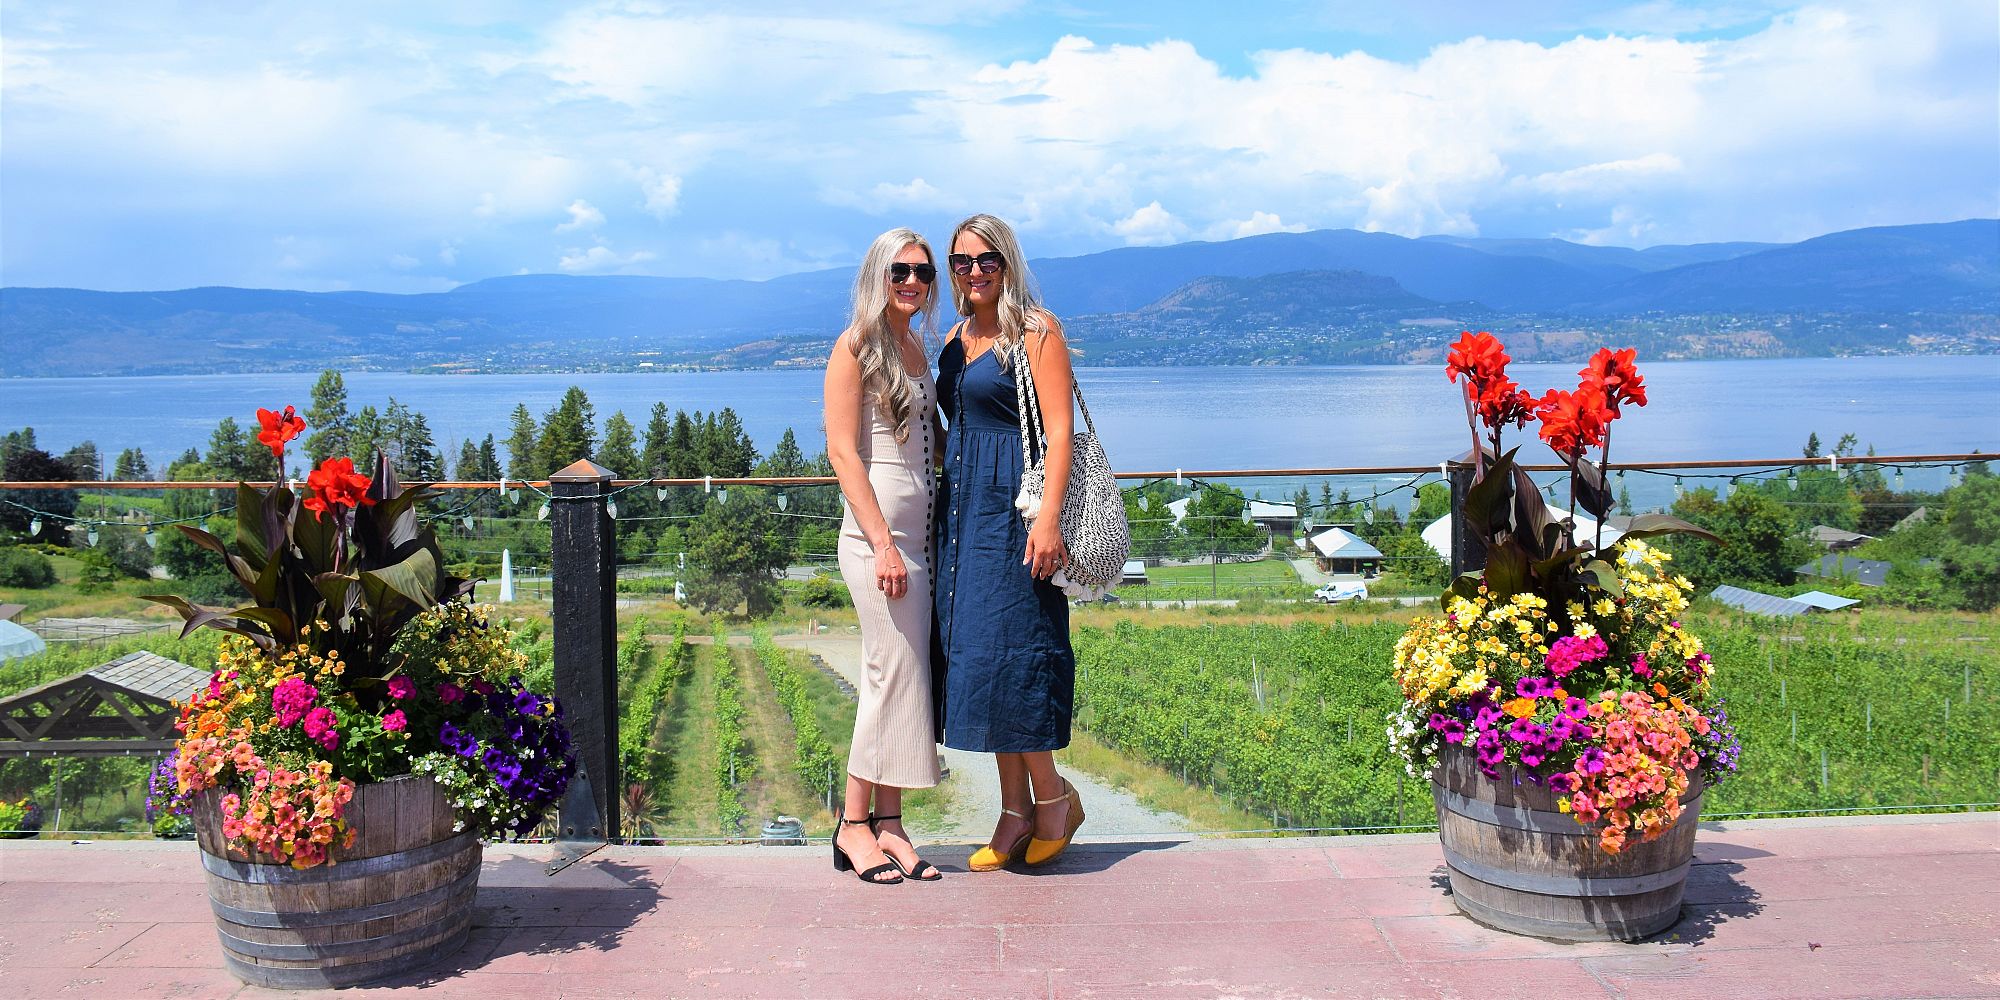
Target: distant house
{"type": "Point", "coordinates": [1275, 518]}
{"type": "Point", "coordinates": [1866, 572]}
{"type": "Point", "coordinates": [1134, 572]}
{"type": "Point", "coordinates": [8, 612]}
{"type": "Point", "coordinates": [1835, 539]}
{"type": "Point", "coordinates": [1338, 550]}
{"type": "Point", "coordinates": [1912, 519]}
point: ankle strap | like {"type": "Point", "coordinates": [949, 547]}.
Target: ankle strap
{"type": "Point", "coordinates": [1059, 798]}
{"type": "Point", "coordinates": [1014, 814]}
{"type": "Point", "coordinates": [878, 819]}
{"type": "Point", "coordinates": [857, 822]}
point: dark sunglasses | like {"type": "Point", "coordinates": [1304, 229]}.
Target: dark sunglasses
{"type": "Point", "coordinates": [988, 262]}
{"type": "Point", "coordinates": [899, 273]}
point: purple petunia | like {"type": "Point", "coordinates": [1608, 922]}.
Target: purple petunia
{"type": "Point", "coordinates": [1524, 731]}
{"type": "Point", "coordinates": [1534, 687]}
{"type": "Point", "coordinates": [1575, 707]}
{"type": "Point", "coordinates": [1454, 730]}
{"type": "Point", "coordinates": [1591, 761]}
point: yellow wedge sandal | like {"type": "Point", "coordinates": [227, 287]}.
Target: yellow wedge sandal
{"type": "Point", "coordinates": [986, 859]}
{"type": "Point", "coordinates": [1041, 852]}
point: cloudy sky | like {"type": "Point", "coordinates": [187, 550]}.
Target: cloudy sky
{"type": "Point", "coordinates": [407, 147]}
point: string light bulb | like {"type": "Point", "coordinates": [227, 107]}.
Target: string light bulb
{"type": "Point", "coordinates": [35, 527]}
{"type": "Point", "coordinates": [611, 508]}
{"type": "Point", "coordinates": [783, 501]}
{"type": "Point", "coordinates": [660, 494]}
{"type": "Point", "coordinates": [1142, 503]}
{"type": "Point", "coordinates": [1792, 480]}
{"type": "Point", "coordinates": [91, 536]}
{"type": "Point", "coordinates": [1728, 487]}
{"type": "Point", "coordinates": [467, 521]}
{"type": "Point", "coordinates": [543, 514]}
{"type": "Point", "coordinates": [1678, 489]}
{"type": "Point", "coordinates": [722, 495]}
{"type": "Point", "coordinates": [1899, 479]}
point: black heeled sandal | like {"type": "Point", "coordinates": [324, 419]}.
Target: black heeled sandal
{"type": "Point", "coordinates": [873, 876]}
{"type": "Point", "coordinates": [924, 870]}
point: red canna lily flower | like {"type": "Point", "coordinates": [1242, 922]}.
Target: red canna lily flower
{"type": "Point", "coordinates": [336, 484]}
{"type": "Point", "coordinates": [1572, 421]}
{"type": "Point", "coordinates": [1502, 401]}
{"type": "Point", "coordinates": [278, 428]}
{"type": "Point", "coordinates": [1616, 376]}
{"type": "Point", "coordinates": [1480, 357]}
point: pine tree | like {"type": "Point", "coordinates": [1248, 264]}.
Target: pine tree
{"type": "Point", "coordinates": [489, 461]}
{"type": "Point", "coordinates": [467, 469]}
{"type": "Point", "coordinates": [367, 434]}
{"type": "Point", "coordinates": [229, 452]}
{"type": "Point", "coordinates": [419, 460]}
{"type": "Point", "coordinates": [85, 460]}
{"type": "Point", "coordinates": [327, 419]}
{"type": "Point", "coordinates": [21, 440]}
{"type": "Point", "coordinates": [619, 452]}
{"type": "Point", "coordinates": [785, 459]}
{"type": "Point", "coordinates": [521, 460]}
{"type": "Point", "coordinates": [657, 458]}
{"type": "Point", "coordinates": [131, 467]}
{"type": "Point", "coordinates": [735, 454]}
{"type": "Point", "coordinates": [568, 431]}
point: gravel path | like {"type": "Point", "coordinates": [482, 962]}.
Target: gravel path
{"type": "Point", "coordinates": [975, 783]}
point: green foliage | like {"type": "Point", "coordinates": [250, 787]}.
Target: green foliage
{"type": "Point", "coordinates": [619, 451]}
{"type": "Point", "coordinates": [521, 461]}
{"type": "Point", "coordinates": [823, 591]}
{"type": "Point", "coordinates": [328, 420]}
{"type": "Point", "coordinates": [1758, 540]}
{"type": "Point", "coordinates": [26, 463]}
{"type": "Point", "coordinates": [647, 702]}
{"type": "Point", "coordinates": [734, 762]}
{"type": "Point", "coordinates": [1214, 525]}
{"type": "Point", "coordinates": [813, 758]}
{"type": "Point", "coordinates": [1971, 555]}
{"type": "Point", "coordinates": [569, 432]}
{"type": "Point", "coordinates": [234, 454]}
{"type": "Point", "coordinates": [25, 568]}
{"type": "Point", "coordinates": [1870, 693]}
{"type": "Point", "coordinates": [98, 574]}
{"type": "Point", "coordinates": [131, 467]}
{"type": "Point", "coordinates": [734, 555]}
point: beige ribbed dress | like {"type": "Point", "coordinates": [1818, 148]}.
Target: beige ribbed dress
{"type": "Point", "coordinates": [895, 727]}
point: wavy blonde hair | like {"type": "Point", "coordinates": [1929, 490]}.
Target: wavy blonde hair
{"type": "Point", "coordinates": [883, 374]}
{"type": "Point", "coordinates": [1020, 301]}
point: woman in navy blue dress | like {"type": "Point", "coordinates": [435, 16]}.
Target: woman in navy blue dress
{"type": "Point", "coordinates": [1004, 673]}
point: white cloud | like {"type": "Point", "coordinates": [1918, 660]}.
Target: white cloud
{"type": "Point", "coordinates": [918, 195]}
{"type": "Point", "coordinates": [662, 191]}
{"type": "Point", "coordinates": [1610, 176]}
{"type": "Point", "coordinates": [598, 260]}
{"type": "Point", "coordinates": [447, 252]}
{"type": "Point", "coordinates": [1257, 224]}
{"type": "Point", "coordinates": [582, 215]}
{"type": "Point", "coordinates": [403, 261]}
{"type": "Point", "coordinates": [1150, 225]}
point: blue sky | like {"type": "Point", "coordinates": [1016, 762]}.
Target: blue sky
{"type": "Point", "coordinates": [411, 147]}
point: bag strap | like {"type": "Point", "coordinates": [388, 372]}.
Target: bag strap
{"type": "Point", "coordinates": [1030, 404]}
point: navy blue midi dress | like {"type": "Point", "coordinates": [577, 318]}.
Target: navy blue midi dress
{"type": "Point", "coordinates": [1003, 673]}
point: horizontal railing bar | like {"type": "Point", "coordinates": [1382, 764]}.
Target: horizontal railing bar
{"type": "Point", "coordinates": [1390, 470]}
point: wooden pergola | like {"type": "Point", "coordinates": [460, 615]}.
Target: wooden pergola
{"type": "Point", "coordinates": [121, 708]}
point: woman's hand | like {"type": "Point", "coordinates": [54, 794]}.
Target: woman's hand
{"type": "Point", "coordinates": [891, 577]}
{"type": "Point", "coordinates": [1046, 553]}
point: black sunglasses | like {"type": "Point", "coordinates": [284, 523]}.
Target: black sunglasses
{"type": "Point", "coordinates": [988, 262]}
{"type": "Point", "coordinates": [900, 272]}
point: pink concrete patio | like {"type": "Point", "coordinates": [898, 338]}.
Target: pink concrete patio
{"type": "Point", "coordinates": [1875, 907]}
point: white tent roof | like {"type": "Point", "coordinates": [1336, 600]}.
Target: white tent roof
{"type": "Point", "coordinates": [1438, 534]}
{"type": "Point", "coordinates": [1824, 601]}
{"type": "Point", "coordinates": [1339, 543]}
{"type": "Point", "coordinates": [16, 641]}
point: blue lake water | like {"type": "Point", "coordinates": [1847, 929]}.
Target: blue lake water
{"type": "Point", "coordinates": [1150, 418]}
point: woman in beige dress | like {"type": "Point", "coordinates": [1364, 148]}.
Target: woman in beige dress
{"type": "Point", "coordinates": [881, 423]}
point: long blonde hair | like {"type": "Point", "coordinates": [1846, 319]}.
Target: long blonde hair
{"type": "Point", "coordinates": [883, 374]}
{"type": "Point", "coordinates": [1020, 301]}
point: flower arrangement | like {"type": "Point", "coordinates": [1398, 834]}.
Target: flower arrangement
{"type": "Point", "coordinates": [19, 820]}
{"type": "Point", "coordinates": [357, 661]}
{"type": "Point", "coordinates": [167, 807]}
{"type": "Point", "coordinates": [1564, 661]}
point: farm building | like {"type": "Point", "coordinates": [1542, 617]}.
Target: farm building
{"type": "Point", "coordinates": [1866, 572]}
{"type": "Point", "coordinates": [1338, 550]}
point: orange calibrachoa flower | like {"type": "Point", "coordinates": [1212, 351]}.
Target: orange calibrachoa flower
{"type": "Point", "coordinates": [336, 484]}
{"type": "Point", "coordinates": [278, 428]}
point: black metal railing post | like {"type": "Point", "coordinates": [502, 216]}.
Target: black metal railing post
{"type": "Point", "coordinates": [1468, 553]}
{"type": "Point", "coordinates": [584, 562]}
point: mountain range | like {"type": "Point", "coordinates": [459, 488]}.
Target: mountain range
{"type": "Point", "coordinates": [1357, 296]}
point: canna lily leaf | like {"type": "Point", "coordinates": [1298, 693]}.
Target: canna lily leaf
{"type": "Point", "coordinates": [1654, 525]}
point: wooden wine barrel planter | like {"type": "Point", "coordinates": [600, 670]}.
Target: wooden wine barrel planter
{"type": "Point", "coordinates": [1519, 865]}
{"type": "Point", "coordinates": [399, 898]}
